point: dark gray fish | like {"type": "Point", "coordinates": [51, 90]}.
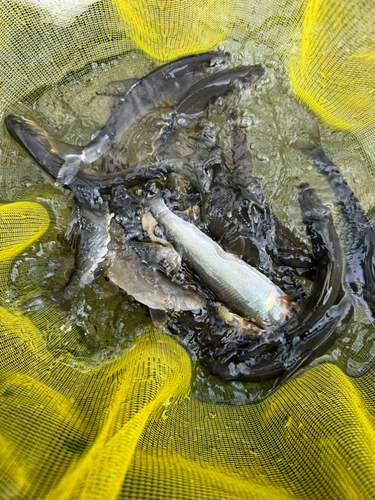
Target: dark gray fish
{"type": "Point", "coordinates": [165, 84]}
{"type": "Point", "coordinates": [359, 231]}
{"type": "Point", "coordinates": [328, 253]}
{"type": "Point", "coordinates": [90, 230]}
{"type": "Point", "coordinates": [261, 356]}
{"type": "Point", "coordinates": [327, 310]}
{"type": "Point", "coordinates": [198, 97]}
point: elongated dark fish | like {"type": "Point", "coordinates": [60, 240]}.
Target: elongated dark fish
{"type": "Point", "coordinates": [328, 253]}
{"type": "Point", "coordinates": [359, 231]}
{"type": "Point", "coordinates": [91, 230]}
{"type": "Point", "coordinates": [165, 84]}
{"type": "Point", "coordinates": [329, 307]}
{"type": "Point", "coordinates": [238, 216]}
{"type": "Point", "coordinates": [197, 98]}
{"type": "Point", "coordinates": [262, 356]}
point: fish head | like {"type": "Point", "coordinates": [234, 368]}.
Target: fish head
{"type": "Point", "coordinates": [218, 61]}
{"type": "Point", "coordinates": [250, 75]}
{"type": "Point", "coordinates": [193, 68]}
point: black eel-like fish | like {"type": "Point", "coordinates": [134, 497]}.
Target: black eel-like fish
{"type": "Point", "coordinates": [164, 84]}
{"type": "Point", "coordinates": [259, 356]}
{"type": "Point", "coordinates": [359, 241]}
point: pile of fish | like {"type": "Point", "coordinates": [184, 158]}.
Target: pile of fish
{"type": "Point", "coordinates": [191, 236]}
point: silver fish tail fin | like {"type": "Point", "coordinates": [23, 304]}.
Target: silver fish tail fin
{"type": "Point", "coordinates": [58, 158]}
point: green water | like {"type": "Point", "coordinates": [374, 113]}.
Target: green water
{"type": "Point", "coordinates": [99, 323]}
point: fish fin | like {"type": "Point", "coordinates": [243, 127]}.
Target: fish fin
{"type": "Point", "coordinates": [120, 88]}
{"type": "Point", "coordinates": [191, 214]}
{"type": "Point", "coordinates": [239, 323]}
{"type": "Point", "coordinates": [69, 273]}
{"type": "Point", "coordinates": [292, 297]}
{"type": "Point", "coordinates": [71, 232]}
{"type": "Point", "coordinates": [237, 247]}
{"type": "Point", "coordinates": [69, 169]}
{"type": "Point", "coordinates": [117, 91]}
{"type": "Point", "coordinates": [313, 140]}
{"type": "Point", "coordinates": [148, 225]}
{"type": "Point", "coordinates": [58, 158]}
{"type": "Point", "coordinates": [109, 289]}
{"type": "Point", "coordinates": [159, 317]}
{"type": "Point", "coordinates": [216, 227]}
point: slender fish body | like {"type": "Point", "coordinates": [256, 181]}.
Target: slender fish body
{"type": "Point", "coordinates": [196, 98]}
{"type": "Point", "coordinates": [243, 288]}
{"type": "Point", "coordinates": [359, 239]}
{"type": "Point", "coordinates": [327, 288]}
{"type": "Point", "coordinates": [163, 85]}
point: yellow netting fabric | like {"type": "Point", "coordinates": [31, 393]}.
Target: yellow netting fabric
{"type": "Point", "coordinates": [21, 224]}
{"type": "Point", "coordinates": [132, 427]}
{"type": "Point", "coordinates": [332, 70]}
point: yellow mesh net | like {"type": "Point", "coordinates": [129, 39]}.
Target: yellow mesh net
{"type": "Point", "coordinates": [133, 423]}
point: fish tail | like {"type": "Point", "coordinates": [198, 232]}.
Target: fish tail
{"type": "Point", "coordinates": [58, 158]}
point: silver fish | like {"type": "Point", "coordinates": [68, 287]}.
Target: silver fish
{"type": "Point", "coordinates": [241, 287]}
{"type": "Point", "coordinates": [147, 286]}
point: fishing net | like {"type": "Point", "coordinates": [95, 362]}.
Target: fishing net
{"type": "Point", "coordinates": [95, 402]}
